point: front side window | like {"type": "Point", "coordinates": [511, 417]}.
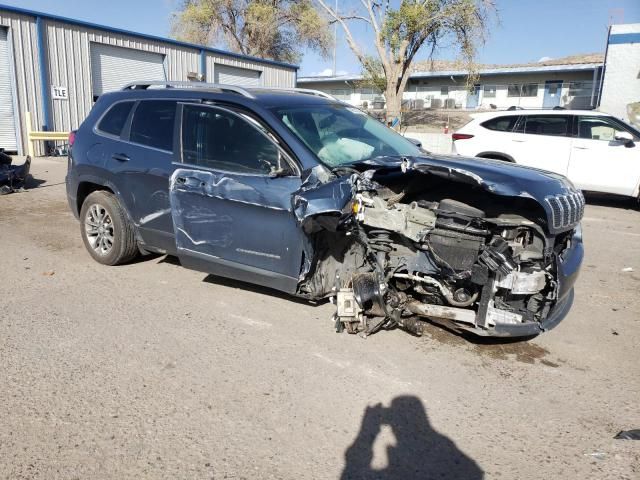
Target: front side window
{"type": "Point", "coordinates": [600, 128]}
{"type": "Point", "coordinates": [340, 135]}
{"type": "Point", "coordinates": [555, 125]}
{"type": "Point", "coordinates": [501, 124]}
{"type": "Point", "coordinates": [152, 124]}
{"type": "Point", "coordinates": [444, 90]}
{"type": "Point", "coordinates": [221, 140]}
{"type": "Point", "coordinates": [114, 120]}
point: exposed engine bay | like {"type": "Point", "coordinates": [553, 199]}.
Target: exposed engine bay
{"type": "Point", "coordinates": [412, 247]}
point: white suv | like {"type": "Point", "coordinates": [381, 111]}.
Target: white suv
{"type": "Point", "coordinates": [596, 151]}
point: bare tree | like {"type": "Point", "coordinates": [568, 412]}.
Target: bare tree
{"type": "Point", "coordinates": [275, 29]}
{"type": "Point", "coordinates": [401, 29]}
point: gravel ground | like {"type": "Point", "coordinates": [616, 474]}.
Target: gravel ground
{"type": "Point", "coordinates": [150, 370]}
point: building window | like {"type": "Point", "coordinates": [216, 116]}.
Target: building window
{"type": "Point", "coordinates": [368, 93]}
{"type": "Point", "coordinates": [444, 91]}
{"type": "Point", "coordinates": [513, 91]}
{"type": "Point", "coordinates": [341, 93]}
{"type": "Point", "coordinates": [524, 90]}
{"type": "Point", "coordinates": [577, 89]}
{"type": "Point", "coordinates": [489, 91]}
{"type": "Point", "coordinates": [530, 90]}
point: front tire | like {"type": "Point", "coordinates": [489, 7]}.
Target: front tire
{"type": "Point", "coordinates": [107, 232]}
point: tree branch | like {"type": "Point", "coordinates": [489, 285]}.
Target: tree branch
{"type": "Point", "coordinates": [350, 40]}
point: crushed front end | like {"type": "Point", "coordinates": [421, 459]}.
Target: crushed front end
{"type": "Point", "coordinates": [414, 245]}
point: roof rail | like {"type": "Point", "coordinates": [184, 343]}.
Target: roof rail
{"type": "Point", "coordinates": [198, 85]}
{"type": "Point", "coordinates": [307, 91]}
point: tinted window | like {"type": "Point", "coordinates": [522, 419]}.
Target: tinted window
{"type": "Point", "coordinates": [599, 128]}
{"type": "Point", "coordinates": [546, 124]}
{"type": "Point", "coordinates": [217, 139]}
{"type": "Point", "coordinates": [501, 124]}
{"type": "Point", "coordinates": [114, 120]}
{"type": "Point", "coordinates": [152, 124]}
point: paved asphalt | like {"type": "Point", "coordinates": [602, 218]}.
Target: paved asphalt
{"type": "Point", "coordinates": [150, 370]}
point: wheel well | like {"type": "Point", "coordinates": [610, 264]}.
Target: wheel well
{"type": "Point", "coordinates": [87, 188]}
{"type": "Point", "coordinates": [496, 156]}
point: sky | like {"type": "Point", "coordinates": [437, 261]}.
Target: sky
{"type": "Point", "coordinates": [524, 31]}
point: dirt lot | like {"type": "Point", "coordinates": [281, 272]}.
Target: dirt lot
{"type": "Point", "coordinates": [153, 371]}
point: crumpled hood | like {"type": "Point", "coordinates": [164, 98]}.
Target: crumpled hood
{"type": "Point", "coordinates": [331, 195]}
{"type": "Point", "coordinates": [496, 176]}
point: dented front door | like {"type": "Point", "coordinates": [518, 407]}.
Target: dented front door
{"type": "Point", "coordinates": [234, 224]}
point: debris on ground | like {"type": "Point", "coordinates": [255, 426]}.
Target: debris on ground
{"type": "Point", "coordinates": [12, 177]}
{"type": "Point", "coordinates": [596, 455]}
{"type": "Point", "coordinates": [627, 269]}
{"type": "Point", "coordinates": [628, 435]}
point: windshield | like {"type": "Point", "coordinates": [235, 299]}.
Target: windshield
{"type": "Point", "coordinates": [339, 134]}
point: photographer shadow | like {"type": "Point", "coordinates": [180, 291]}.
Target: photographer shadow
{"type": "Point", "coordinates": [419, 453]}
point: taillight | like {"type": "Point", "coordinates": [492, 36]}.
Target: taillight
{"type": "Point", "coordinates": [72, 138]}
{"type": "Point", "coordinates": [461, 136]}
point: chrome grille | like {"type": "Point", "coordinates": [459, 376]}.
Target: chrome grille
{"type": "Point", "coordinates": [566, 209]}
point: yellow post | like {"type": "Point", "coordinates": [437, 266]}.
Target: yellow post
{"type": "Point", "coordinates": [29, 129]}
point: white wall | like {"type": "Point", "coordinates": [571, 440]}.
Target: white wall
{"type": "Point", "coordinates": [622, 71]}
{"type": "Point", "coordinates": [430, 88]}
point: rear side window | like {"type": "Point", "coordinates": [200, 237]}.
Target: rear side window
{"type": "Point", "coordinates": [114, 120]}
{"type": "Point", "coordinates": [555, 125]}
{"type": "Point", "coordinates": [501, 124]}
{"type": "Point", "coordinates": [152, 124]}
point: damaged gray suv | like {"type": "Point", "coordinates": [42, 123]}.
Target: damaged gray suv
{"type": "Point", "coordinates": [294, 190]}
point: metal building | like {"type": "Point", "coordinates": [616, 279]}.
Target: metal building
{"type": "Point", "coordinates": [55, 68]}
{"type": "Point", "coordinates": [621, 81]}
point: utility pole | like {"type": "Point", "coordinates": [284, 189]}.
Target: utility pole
{"type": "Point", "coordinates": [335, 41]}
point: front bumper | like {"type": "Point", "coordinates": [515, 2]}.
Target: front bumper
{"type": "Point", "coordinates": [568, 267]}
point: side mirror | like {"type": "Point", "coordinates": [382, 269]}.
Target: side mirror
{"type": "Point", "coordinates": [415, 141]}
{"type": "Point", "coordinates": [282, 169]}
{"type": "Point", "coordinates": [624, 137]}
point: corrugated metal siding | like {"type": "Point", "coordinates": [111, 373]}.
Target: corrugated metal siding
{"type": "Point", "coordinates": [69, 65]}
{"type": "Point", "coordinates": [22, 31]}
{"type": "Point", "coordinates": [272, 76]}
{"type": "Point", "coordinates": [7, 121]}
{"type": "Point", "coordinates": [69, 53]}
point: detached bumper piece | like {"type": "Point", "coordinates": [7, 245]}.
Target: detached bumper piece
{"type": "Point", "coordinates": [12, 177]}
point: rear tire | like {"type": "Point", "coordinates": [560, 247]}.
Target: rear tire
{"type": "Point", "coordinates": [107, 233]}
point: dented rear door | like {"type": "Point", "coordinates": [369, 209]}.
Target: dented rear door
{"type": "Point", "coordinates": [232, 217]}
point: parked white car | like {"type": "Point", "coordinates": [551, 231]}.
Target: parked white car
{"type": "Point", "coordinates": [596, 151]}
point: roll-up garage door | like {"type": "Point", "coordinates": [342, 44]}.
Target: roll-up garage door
{"type": "Point", "coordinates": [7, 113]}
{"type": "Point", "coordinates": [114, 67]}
{"type": "Point", "coordinates": [236, 76]}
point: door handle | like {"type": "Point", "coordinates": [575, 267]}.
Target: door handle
{"type": "Point", "coordinates": [121, 157]}
{"type": "Point", "coordinates": [516, 140]}
{"type": "Point", "coordinates": [190, 181]}
{"type": "Point", "coordinates": [580, 148]}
